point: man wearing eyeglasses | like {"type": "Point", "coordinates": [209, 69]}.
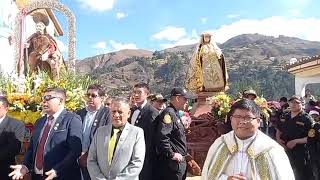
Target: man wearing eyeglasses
{"type": "Point", "coordinates": [246, 152]}
{"type": "Point", "coordinates": [55, 145]}
{"type": "Point", "coordinates": [94, 115]}
{"type": "Point", "coordinates": [143, 116]}
{"type": "Point", "coordinates": [292, 134]}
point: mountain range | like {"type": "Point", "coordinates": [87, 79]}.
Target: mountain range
{"type": "Point", "coordinates": [253, 61]}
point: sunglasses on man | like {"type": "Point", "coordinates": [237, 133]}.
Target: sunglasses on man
{"type": "Point", "coordinates": [49, 97]}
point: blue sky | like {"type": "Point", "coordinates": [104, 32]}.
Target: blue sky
{"type": "Point", "coordinates": [111, 25]}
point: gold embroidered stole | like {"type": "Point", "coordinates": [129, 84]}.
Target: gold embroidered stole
{"type": "Point", "coordinates": [258, 162]}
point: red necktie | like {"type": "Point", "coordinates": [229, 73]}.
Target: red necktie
{"type": "Point", "coordinates": [42, 142]}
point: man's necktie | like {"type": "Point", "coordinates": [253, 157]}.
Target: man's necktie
{"type": "Point", "coordinates": [42, 142]}
{"type": "Point", "coordinates": [112, 144]}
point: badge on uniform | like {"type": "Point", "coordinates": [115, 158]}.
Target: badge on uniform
{"type": "Point", "coordinates": [167, 119]}
{"type": "Point", "coordinates": [311, 133]}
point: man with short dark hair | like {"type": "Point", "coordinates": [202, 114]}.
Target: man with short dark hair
{"type": "Point", "coordinates": [246, 152]}
{"type": "Point", "coordinates": [143, 116]}
{"type": "Point", "coordinates": [292, 133]}
{"type": "Point", "coordinates": [55, 145]}
{"type": "Point", "coordinates": [94, 115]}
{"type": "Point", "coordinates": [171, 143]}
{"type": "Point", "coordinates": [11, 138]}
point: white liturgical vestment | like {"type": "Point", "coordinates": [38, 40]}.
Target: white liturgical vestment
{"type": "Point", "coordinates": [257, 158]}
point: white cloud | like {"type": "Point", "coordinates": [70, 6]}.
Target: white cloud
{"type": "Point", "coordinates": [231, 16]}
{"type": "Point", "coordinates": [62, 47]}
{"type": "Point", "coordinates": [121, 15]}
{"type": "Point", "coordinates": [102, 45]}
{"type": "Point", "coordinates": [97, 5]}
{"type": "Point", "coordinates": [204, 20]}
{"type": "Point", "coordinates": [116, 46]}
{"type": "Point", "coordinates": [185, 40]}
{"type": "Point", "coordinates": [180, 42]}
{"type": "Point", "coordinates": [170, 33]}
{"type": "Point", "coordinates": [295, 12]}
{"type": "Point", "coordinates": [307, 29]}
{"type": "Point", "coordinates": [273, 26]}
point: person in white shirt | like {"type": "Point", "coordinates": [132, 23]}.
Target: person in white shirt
{"type": "Point", "coordinates": [143, 116]}
{"type": "Point", "coordinates": [246, 153]}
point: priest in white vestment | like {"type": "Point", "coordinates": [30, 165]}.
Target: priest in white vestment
{"type": "Point", "coordinates": [246, 153]}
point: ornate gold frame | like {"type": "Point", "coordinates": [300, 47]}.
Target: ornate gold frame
{"type": "Point", "coordinates": [55, 5]}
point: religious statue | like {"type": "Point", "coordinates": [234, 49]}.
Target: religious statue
{"type": "Point", "coordinates": [207, 70]}
{"type": "Point", "coordinates": [42, 49]}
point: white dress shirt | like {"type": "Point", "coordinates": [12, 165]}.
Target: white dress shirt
{"type": "Point", "coordinates": [136, 113]}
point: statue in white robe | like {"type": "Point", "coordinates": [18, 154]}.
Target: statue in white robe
{"type": "Point", "coordinates": [207, 69]}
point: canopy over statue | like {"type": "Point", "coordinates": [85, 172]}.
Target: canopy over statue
{"type": "Point", "coordinates": [207, 70]}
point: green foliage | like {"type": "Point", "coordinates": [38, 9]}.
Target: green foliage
{"type": "Point", "coordinates": [270, 83]}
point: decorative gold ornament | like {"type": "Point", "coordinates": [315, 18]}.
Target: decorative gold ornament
{"type": "Point", "coordinates": [167, 119]}
{"type": "Point", "coordinates": [311, 133]}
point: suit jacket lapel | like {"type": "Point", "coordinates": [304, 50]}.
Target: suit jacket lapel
{"type": "Point", "coordinates": [37, 133]}
{"type": "Point", "coordinates": [132, 111]}
{"type": "Point", "coordinates": [3, 124]}
{"type": "Point", "coordinates": [54, 126]}
{"type": "Point", "coordinates": [96, 122]}
{"type": "Point", "coordinates": [141, 114]}
{"type": "Point", "coordinates": [106, 145]}
{"type": "Point", "coordinates": [122, 139]}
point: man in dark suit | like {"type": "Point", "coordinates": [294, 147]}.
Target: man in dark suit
{"type": "Point", "coordinates": [55, 144]}
{"type": "Point", "coordinates": [143, 116]}
{"type": "Point", "coordinates": [11, 137]}
{"type": "Point", "coordinates": [92, 117]}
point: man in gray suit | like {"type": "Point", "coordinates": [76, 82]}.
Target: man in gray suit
{"type": "Point", "coordinates": [117, 152]}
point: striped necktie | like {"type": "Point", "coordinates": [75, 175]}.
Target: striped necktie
{"type": "Point", "coordinates": [42, 142]}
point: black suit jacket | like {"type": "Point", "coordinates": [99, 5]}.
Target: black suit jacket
{"type": "Point", "coordinates": [103, 118]}
{"type": "Point", "coordinates": [63, 146]}
{"type": "Point", "coordinates": [145, 120]}
{"type": "Point", "coordinates": [11, 138]}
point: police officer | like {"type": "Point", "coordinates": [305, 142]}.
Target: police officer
{"type": "Point", "coordinates": [170, 139]}
{"type": "Point", "coordinates": [314, 149]}
{"type": "Point", "coordinates": [292, 134]}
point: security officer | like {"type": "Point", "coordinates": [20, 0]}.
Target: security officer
{"type": "Point", "coordinates": [292, 134]}
{"type": "Point", "coordinates": [314, 149]}
{"type": "Point", "coordinates": [170, 139]}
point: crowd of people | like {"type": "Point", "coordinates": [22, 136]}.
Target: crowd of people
{"type": "Point", "coordinates": [143, 137]}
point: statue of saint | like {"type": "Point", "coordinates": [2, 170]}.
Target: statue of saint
{"type": "Point", "coordinates": [207, 70]}
{"type": "Point", "coordinates": [42, 49]}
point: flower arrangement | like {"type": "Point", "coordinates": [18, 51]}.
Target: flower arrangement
{"type": "Point", "coordinates": [185, 118]}
{"type": "Point", "coordinates": [221, 105]}
{"type": "Point", "coordinates": [263, 104]}
{"type": "Point", "coordinates": [25, 94]}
